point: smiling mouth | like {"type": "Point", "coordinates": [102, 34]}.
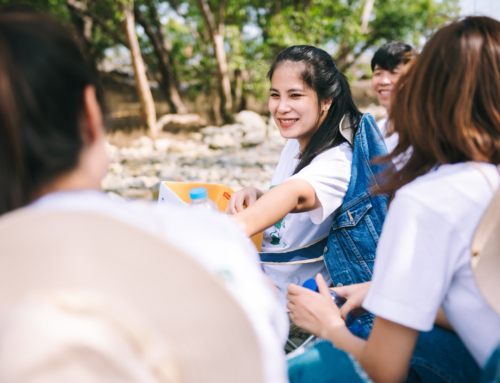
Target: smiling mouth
{"type": "Point", "coordinates": [287, 122]}
{"type": "Point", "coordinates": [384, 92]}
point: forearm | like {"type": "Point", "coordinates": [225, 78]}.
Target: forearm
{"type": "Point", "coordinates": [293, 195]}
{"type": "Point", "coordinates": [268, 209]}
{"type": "Point", "coordinates": [386, 356]}
{"type": "Point", "coordinates": [342, 338]}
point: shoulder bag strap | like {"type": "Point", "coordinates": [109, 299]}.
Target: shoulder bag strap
{"type": "Point", "coordinates": [485, 249]}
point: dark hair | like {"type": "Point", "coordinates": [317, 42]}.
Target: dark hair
{"type": "Point", "coordinates": [447, 106]}
{"type": "Point", "coordinates": [321, 75]}
{"type": "Point", "coordinates": [390, 55]}
{"type": "Point", "coordinates": [43, 75]}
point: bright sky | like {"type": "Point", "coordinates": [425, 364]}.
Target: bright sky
{"type": "Point", "coordinates": [489, 8]}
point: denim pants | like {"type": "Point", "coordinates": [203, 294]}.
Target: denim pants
{"type": "Point", "coordinates": [439, 357]}
{"type": "Point", "coordinates": [491, 372]}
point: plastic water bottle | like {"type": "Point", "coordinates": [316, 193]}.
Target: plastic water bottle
{"type": "Point", "coordinates": [352, 321]}
{"type": "Point", "coordinates": [200, 200]}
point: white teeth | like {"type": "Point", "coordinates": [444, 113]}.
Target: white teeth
{"type": "Point", "coordinates": [384, 92]}
{"type": "Point", "coordinates": [288, 121]}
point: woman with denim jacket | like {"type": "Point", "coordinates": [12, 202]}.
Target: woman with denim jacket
{"type": "Point", "coordinates": [447, 110]}
{"type": "Point", "coordinates": [311, 103]}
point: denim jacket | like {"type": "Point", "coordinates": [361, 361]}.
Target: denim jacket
{"type": "Point", "coordinates": [350, 250]}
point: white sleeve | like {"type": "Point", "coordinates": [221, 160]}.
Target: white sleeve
{"type": "Point", "coordinates": [329, 174]}
{"type": "Point", "coordinates": [414, 266]}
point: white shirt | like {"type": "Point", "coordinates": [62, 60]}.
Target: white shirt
{"type": "Point", "coordinates": [392, 141]}
{"type": "Point", "coordinates": [216, 243]}
{"type": "Point", "coordinates": [329, 174]}
{"type": "Point", "coordinates": [424, 255]}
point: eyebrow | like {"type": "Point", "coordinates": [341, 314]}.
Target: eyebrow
{"type": "Point", "coordinates": [289, 90]}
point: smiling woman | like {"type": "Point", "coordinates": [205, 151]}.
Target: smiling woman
{"type": "Point", "coordinates": [309, 100]}
{"type": "Point", "coordinates": [295, 106]}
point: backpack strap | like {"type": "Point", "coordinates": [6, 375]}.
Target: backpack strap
{"type": "Point", "coordinates": [485, 250]}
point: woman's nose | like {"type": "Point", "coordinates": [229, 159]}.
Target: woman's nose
{"type": "Point", "coordinates": [283, 106]}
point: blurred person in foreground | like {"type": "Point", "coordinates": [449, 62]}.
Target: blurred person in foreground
{"type": "Point", "coordinates": [446, 108]}
{"type": "Point", "coordinates": [53, 158]}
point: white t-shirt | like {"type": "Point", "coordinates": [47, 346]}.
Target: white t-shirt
{"type": "Point", "coordinates": [329, 174]}
{"type": "Point", "coordinates": [424, 255]}
{"type": "Point", "coordinates": [216, 243]}
{"type": "Point", "coordinates": [392, 141]}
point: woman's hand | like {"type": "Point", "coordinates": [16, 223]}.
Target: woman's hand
{"type": "Point", "coordinates": [246, 197]}
{"type": "Point", "coordinates": [355, 294]}
{"type": "Point", "coordinates": [313, 312]}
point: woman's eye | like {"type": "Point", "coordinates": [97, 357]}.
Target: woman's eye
{"type": "Point", "coordinates": [274, 95]}
{"type": "Point", "coordinates": [295, 95]}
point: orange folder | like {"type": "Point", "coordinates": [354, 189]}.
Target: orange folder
{"type": "Point", "coordinates": [178, 192]}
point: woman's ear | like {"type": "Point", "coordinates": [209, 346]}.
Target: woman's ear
{"type": "Point", "coordinates": [325, 105]}
{"type": "Point", "coordinates": [91, 118]}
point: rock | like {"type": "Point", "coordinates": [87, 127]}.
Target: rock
{"type": "Point", "coordinates": [162, 144]}
{"type": "Point", "coordinates": [138, 194]}
{"type": "Point", "coordinates": [254, 128]}
{"type": "Point", "coordinates": [176, 147]}
{"type": "Point", "coordinates": [149, 182]}
{"type": "Point", "coordinates": [252, 139]}
{"type": "Point", "coordinates": [252, 121]}
{"type": "Point", "coordinates": [143, 141]}
{"type": "Point", "coordinates": [180, 120]}
{"type": "Point", "coordinates": [223, 140]}
{"type": "Point", "coordinates": [115, 167]}
{"type": "Point", "coordinates": [196, 136]}
{"type": "Point", "coordinates": [209, 130]}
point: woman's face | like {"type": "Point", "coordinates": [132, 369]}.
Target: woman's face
{"type": "Point", "coordinates": [293, 105]}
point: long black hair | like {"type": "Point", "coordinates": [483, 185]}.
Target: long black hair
{"type": "Point", "coordinates": [43, 75]}
{"type": "Point", "coordinates": [321, 75]}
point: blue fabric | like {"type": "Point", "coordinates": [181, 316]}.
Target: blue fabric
{"type": "Point", "coordinates": [304, 253]}
{"type": "Point", "coordinates": [353, 239]}
{"type": "Point", "coordinates": [491, 372]}
{"type": "Point", "coordinates": [321, 362]}
{"type": "Point", "coordinates": [439, 357]}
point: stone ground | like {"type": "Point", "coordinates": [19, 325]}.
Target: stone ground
{"type": "Point", "coordinates": [238, 155]}
{"type": "Point", "coordinates": [214, 155]}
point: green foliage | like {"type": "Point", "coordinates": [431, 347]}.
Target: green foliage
{"type": "Point", "coordinates": [256, 31]}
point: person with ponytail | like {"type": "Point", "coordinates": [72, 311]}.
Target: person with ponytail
{"type": "Point", "coordinates": [310, 101]}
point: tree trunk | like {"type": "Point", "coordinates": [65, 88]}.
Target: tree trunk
{"type": "Point", "coordinates": [148, 110]}
{"type": "Point", "coordinates": [217, 37]}
{"type": "Point", "coordinates": [365, 18]}
{"type": "Point", "coordinates": [161, 47]}
{"type": "Point", "coordinates": [241, 77]}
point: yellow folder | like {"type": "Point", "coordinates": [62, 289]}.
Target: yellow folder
{"type": "Point", "coordinates": [178, 192]}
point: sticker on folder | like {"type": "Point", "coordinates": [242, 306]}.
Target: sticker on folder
{"type": "Point", "coordinates": [177, 193]}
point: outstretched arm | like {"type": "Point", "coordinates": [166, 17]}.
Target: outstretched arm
{"type": "Point", "coordinates": [385, 356]}
{"type": "Point", "coordinates": [293, 196]}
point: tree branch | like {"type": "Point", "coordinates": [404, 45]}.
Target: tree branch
{"type": "Point", "coordinates": [222, 8]}
{"type": "Point", "coordinates": [209, 19]}
{"type": "Point", "coordinates": [365, 17]}
{"type": "Point", "coordinates": [82, 8]}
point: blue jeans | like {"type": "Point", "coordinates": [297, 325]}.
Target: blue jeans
{"type": "Point", "coordinates": [491, 373]}
{"type": "Point", "coordinates": [439, 357]}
